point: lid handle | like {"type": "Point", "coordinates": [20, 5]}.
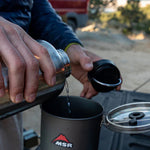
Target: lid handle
{"type": "Point", "coordinates": [134, 117]}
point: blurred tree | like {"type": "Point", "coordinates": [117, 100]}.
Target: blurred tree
{"type": "Point", "coordinates": [132, 16]}
{"type": "Point", "coordinates": [97, 6]}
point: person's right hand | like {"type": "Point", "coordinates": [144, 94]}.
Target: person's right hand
{"type": "Point", "coordinates": [17, 51]}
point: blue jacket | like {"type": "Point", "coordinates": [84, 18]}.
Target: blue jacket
{"type": "Point", "coordinates": [39, 19]}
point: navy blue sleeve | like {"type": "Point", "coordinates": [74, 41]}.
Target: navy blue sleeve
{"type": "Point", "coordinates": [47, 25]}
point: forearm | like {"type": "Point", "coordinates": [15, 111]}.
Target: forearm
{"type": "Point", "coordinates": [47, 25]}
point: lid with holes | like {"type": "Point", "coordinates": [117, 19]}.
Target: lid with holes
{"type": "Point", "coordinates": [129, 118]}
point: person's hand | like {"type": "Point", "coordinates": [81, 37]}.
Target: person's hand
{"type": "Point", "coordinates": [82, 62]}
{"type": "Point", "coordinates": [17, 51]}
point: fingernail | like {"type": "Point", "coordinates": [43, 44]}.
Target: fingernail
{"type": "Point", "coordinates": [2, 92]}
{"type": "Point", "coordinates": [32, 97]}
{"type": "Point", "coordinates": [19, 97]}
{"type": "Point", "coordinates": [88, 65]}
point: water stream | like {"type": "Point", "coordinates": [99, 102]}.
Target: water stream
{"type": "Point", "coordinates": [68, 99]}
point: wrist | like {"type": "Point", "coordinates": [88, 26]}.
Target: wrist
{"type": "Point", "coordinates": [72, 46]}
{"type": "Point", "coordinates": [75, 48]}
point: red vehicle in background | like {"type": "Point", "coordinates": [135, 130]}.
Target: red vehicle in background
{"type": "Point", "coordinates": [73, 12]}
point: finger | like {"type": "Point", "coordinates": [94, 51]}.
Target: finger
{"type": "Point", "coordinates": [85, 62]}
{"type": "Point", "coordinates": [32, 67]}
{"type": "Point", "coordinates": [84, 91]}
{"type": "Point", "coordinates": [118, 88]}
{"type": "Point", "coordinates": [2, 87]}
{"type": "Point", "coordinates": [78, 55]}
{"type": "Point", "coordinates": [45, 61]}
{"type": "Point", "coordinates": [91, 92]}
{"type": "Point", "coordinates": [16, 67]}
{"type": "Point", "coordinates": [93, 56]}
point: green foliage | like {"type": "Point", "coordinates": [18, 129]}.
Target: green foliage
{"type": "Point", "coordinates": [129, 18]}
{"type": "Point", "coordinates": [132, 16]}
{"type": "Point", "coordinates": [97, 6]}
{"type": "Point", "coordinates": [146, 10]}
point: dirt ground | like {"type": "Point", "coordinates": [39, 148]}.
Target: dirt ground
{"type": "Point", "coordinates": [131, 55]}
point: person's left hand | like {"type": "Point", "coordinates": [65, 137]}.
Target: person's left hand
{"type": "Point", "coordinates": [82, 62]}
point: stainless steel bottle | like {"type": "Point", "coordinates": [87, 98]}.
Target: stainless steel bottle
{"type": "Point", "coordinates": [62, 65]}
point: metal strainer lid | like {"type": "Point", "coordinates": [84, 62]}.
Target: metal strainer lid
{"type": "Point", "coordinates": [129, 118]}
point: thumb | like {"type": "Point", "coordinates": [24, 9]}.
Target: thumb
{"type": "Point", "coordinates": [78, 55]}
{"type": "Point", "coordinates": [86, 62]}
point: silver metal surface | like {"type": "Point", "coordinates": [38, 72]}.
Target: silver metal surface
{"type": "Point", "coordinates": [62, 65]}
{"type": "Point", "coordinates": [108, 85]}
{"type": "Point", "coordinates": [118, 118]}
